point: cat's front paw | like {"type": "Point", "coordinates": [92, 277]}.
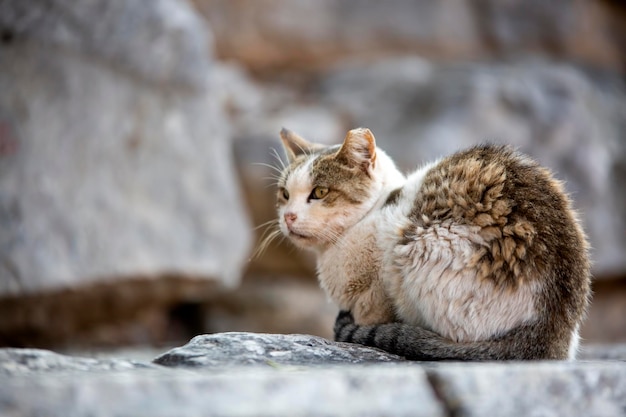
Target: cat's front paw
{"type": "Point", "coordinates": [344, 326]}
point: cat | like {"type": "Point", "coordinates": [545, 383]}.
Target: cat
{"type": "Point", "coordinates": [476, 256]}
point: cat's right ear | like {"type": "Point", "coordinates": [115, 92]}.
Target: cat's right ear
{"type": "Point", "coordinates": [359, 149]}
{"type": "Point", "coordinates": [295, 145]}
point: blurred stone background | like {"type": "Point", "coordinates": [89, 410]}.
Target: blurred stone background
{"type": "Point", "coordinates": [133, 137]}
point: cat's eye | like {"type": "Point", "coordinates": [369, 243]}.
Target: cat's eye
{"type": "Point", "coordinates": [284, 193]}
{"type": "Point", "coordinates": [318, 193]}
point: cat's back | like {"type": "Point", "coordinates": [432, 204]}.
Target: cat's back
{"type": "Point", "coordinates": [491, 242]}
{"type": "Point", "coordinates": [512, 202]}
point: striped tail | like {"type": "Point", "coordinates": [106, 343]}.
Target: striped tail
{"type": "Point", "coordinates": [415, 343]}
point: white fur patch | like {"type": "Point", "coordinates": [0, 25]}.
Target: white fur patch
{"type": "Point", "coordinates": [433, 287]}
{"type": "Point", "coordinates": [299, 185]}
{"type": "Point", "coordinates": [574, 344]}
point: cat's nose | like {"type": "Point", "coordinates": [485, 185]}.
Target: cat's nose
{"type": "Point", "coordinates": [290, 218]}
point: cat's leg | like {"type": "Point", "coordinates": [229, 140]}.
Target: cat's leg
{"type": "Point", "coordinates": [373, 306]}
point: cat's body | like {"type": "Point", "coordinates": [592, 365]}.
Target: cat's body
{"type": "Point", "coordinates": [476, 256]}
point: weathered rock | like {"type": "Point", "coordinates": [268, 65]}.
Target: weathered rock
{"type": "Point", "coordinates": [115, 162]}
{"type": "Point", "coordinates": [240, 374]}
{"type": "Point", "coordinates": [115, 33]}
{"type": "Point", "coordinates": [15, 362]}
{"type": "Point", "coordinates": [541, 389]}
{"type": "Point", "coordinates": [242, 392]}
{"type": "Point", "coordinates": [270, 34]}
{"type": "Point", "coordinates": [232, 349]}
{"type": "Point", "coordinates": [109, 176]}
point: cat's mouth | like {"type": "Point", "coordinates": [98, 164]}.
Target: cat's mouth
{"type": "Point", "coordinates": [296, 235]}
{"type": "Point", "coordinates": [293, 234]}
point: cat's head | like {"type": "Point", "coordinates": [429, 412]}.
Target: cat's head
{"type": "Point", "coordinates": [326, 189]}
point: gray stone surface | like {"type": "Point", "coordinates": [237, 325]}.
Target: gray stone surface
{"type": "Point", "coordinates": [238, 348]}
{"type": "Point", "coordinates": [115, 158]}
{"type": "Point", "coordinates": [240, 374]}
{"type": "Point", "coordinates": [165, 42]}
{"type": "Point", "coordinates": [532, 389]}
{"type": "Point", "coordinates": [357, 392]}
{"type": "Point", "coordinates": [15, 362]}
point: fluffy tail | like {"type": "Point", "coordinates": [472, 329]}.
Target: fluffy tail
{"type": "Point", "coordinates": [416, 343]}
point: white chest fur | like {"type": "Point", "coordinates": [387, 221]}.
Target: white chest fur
{"type": "Point", "coordinates": [433, 284]}
{"type": "Point", "coordinates": [355, 257]}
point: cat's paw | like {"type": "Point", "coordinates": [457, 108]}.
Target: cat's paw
{"type": "Point", "coordinates": [343, 321]}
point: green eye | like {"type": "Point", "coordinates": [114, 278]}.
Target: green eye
{"type": "Point", "coordinates": [318, 193]}
{"type": "Point", "coordinates": [284, 193]}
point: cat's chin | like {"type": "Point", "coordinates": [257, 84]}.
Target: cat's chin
{"type": "Point", "coordinates": [303, 241]}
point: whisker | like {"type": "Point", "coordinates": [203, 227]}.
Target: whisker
{"type": "Point", "coordinates": [328, 235]}
{"type": "Point", "coordinates": [274, 179]}
{"type": "Point", "coordinates": [270, 166]}
{"type": "Point", "coordinates": [267, 223]}
{"type": "Point", "coordinates": [276, 156]}
{"type": "Point", "coordinates": [265, 242]}
{"type": "Point", "coordinates": [292, 249]}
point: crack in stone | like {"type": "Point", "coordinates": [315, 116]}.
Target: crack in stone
{"type": "Point", "coordinates": [451, 407]}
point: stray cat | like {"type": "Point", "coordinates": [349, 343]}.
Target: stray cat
{"type": "Point", "coordinates": [477, 256]}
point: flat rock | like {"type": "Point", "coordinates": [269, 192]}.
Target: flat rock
{"type": "Point", "coordinates": [358, 391]}
{"type": "Point", "coordinates": [14, 361]}
{"type": "Point", "coordinates": [534, 388]}
{"type": "Point", "coordinates": [248, 374]}
{"type": "Point", "coordinates": [238, 348]}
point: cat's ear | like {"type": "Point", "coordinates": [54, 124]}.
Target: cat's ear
{"type": "Point", "coordinates": [359, 149]}
{"type": "Point", "coordinates": [295, 145]}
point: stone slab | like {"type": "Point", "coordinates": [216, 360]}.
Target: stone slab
{"type": "Point", "coordinates": [242, 374]}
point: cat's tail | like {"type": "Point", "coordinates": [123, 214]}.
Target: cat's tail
{"type": "Point", "coordinates": [416, 343]}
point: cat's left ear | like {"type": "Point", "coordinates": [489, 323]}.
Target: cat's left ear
{"type": "Point", "coordinates": [359, 149]}
{"type": "Point", "coordinates": [295, 145]}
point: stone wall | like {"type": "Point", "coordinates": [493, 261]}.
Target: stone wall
{"type": "Point", "coordinates": [118, 193]}
{"type": "Point", "coordinates": [133, 138]}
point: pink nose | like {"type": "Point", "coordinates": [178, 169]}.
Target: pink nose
{"type": "Point", "coordinates": [290, 218]}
